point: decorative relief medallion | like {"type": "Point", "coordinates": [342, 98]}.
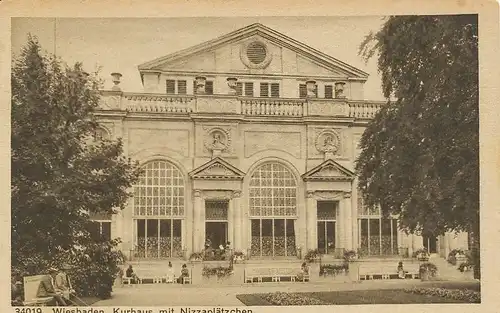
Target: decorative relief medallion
{"type": "Point", "coordinates": [328, 142]}
{"type": "Point", "coordinates": [218, 140]}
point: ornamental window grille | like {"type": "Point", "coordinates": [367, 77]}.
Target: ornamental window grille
{"type": "Point", "coordinates": [160, 191]}
{"type": "Point", "coordinates": [216, 210]}
{"type": "Point", "coordinates": [273, 191]}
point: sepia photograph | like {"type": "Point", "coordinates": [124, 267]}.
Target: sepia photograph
{"type": "Point", "coordinates": [245, 161]}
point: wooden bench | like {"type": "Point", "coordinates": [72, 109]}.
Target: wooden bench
{"type": "Point", "coordinates": [259, 274]}
{"type": "Point", "coordinates": [31, 285]}
{"type": "Point", "coordinates": [372, 271]}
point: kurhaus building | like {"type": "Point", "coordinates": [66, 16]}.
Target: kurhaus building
{"type": "Point", "coordinates": [249, 138]}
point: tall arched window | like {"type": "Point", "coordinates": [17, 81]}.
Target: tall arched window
{"type": "Point", "coordinates": [159, 210]}
{"type": "Point", "coordinates": [273, 210]}
{"type": "Point", "coordinates": [377, 235]}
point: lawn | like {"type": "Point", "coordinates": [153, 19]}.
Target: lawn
{"type": "Point", "coordinates": [384, 296]}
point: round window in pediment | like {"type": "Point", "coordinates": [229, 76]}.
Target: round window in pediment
{"type": "Point", "coordinates": [256, 52]}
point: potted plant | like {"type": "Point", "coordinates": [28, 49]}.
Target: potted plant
{"type": "Point", "coordinates": [421, 255]}
{"type": "Point", "coordinates": [238, 256]}
{"type": "Point", "coordinates": [350, 255]}
{"type": "Point", "coordinates": [427, 271]}
{"type": "Point", "coordinates": [196, 257]}
{"type": "Point", "coordinates": [312, 256]}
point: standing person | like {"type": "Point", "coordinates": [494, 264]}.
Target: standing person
{"type": "Point", "coordinates": [304, 271]}
{"type": "Point", "coordinates": [46, 288]}
{"type": "Point", "coordinates": [170, 273]}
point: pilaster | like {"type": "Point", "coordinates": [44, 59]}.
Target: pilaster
{"type": "Point", "coordinates": [199, 224]}
{"type": "Point", "coordinates": [347, 221]}
{"type": "Point", "coordinates": [236, 226]}
{"type": "Point", "coordinates": [311, 221]}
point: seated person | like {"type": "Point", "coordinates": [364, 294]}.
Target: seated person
{"type": "Point", "coordinates": [130, 273]}
{"type": "Point", "coordinates": [401, 272]}
{"type": "Point", "coordinates": [304, 271]}
{"type": "Point", "coordinates": [46, 289]}
{"type": "Point", "coordinates": [184, 273]}
{"type": "Point", "coordinates": [16, 291]}
{"type": "Point", "coordinates": [63, 284]}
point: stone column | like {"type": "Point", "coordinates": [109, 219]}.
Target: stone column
{"type": "Point", "coordinates": [341, 225]}
{"type": "Point", "coordinates": [311, 218]}
{"type": "Point", "coordinates": [348, 220]}
{"type": "Point", "coordinates": [236, 222]}
{"type": "Point", "coordinates": [199, 222]}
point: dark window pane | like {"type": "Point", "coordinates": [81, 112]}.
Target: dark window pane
{"type": "Point", "coordinates": [264, 89]}
{"type": "Point", "coordinates": [194, 87]}
{"type": "Point", "coordinates": [239, 89]}
{"type": "Point", "coordinates": [209, 87]}
{"type": "Point", "coordinates": [170, 87]}
{"type": "Point", "coordinates": [275, 90]}
{"type": "Point", "coordinates": [256, 228]}
{"type": "Point", "coordinates": [302, 91]}
{"type": "Point", "coordinates": [94, 230]}
{"type": "Point", "coordinates": [330, 232]}
{"type": "Point", "coordinates": [141, 228]}
{"type": "Point", "coordinates": [249, 89]}
{"type": "Point", "coordinates": [152, 228]}
{"type": "Point", "coordinates": [267, 227]}
{"type": "Point", "coordinates": [328, 91]}
{"type": "Point", "coordinates": [321, 237]}
{"type": "Point", "coordinates": [106, 230]}
{"type": "Point", "coordinates": [177, 228]}
{"type": "Point", "coordinates": [279, 227]}
{"type": "Point", "coordinates": [181, 87]}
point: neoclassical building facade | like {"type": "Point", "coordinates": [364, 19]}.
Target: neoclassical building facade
{"type": "Point", "coordinates": [249, 138]}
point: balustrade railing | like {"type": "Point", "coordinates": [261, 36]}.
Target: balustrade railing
{"type": "Point", "coordinates": [364, 110]}
{"type": "Point", "coordinates": [185, 104]}
{"type": "Point", "coordinates": [158, 103]}
{"type": "Point", "coordinates": [282, 107]}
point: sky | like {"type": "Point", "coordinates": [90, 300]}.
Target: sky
{"type": "Point", "coordinates": [121, 44]}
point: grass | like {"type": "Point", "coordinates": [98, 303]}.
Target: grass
{"type": "Point", "coordinates": [384, 296]}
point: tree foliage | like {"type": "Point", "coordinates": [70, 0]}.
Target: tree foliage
{"type": "Point", "coordinates": [420, 154]}
{"type": "Point", "coordinates": [60, 173]}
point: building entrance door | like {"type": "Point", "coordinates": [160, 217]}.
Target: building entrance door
{"type": "Point", "coordinates": [430, 244]}
{"type": "Point", "coordinates": [327, 216]}
{"type": "Point", "coordinates": [216, 224]}
{"type": "Point", "coordinates": [216, 232]}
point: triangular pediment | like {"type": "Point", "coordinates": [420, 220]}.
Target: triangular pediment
{"type": "Point", "coordinates": [328, 171]}
{"type": "Point", "coordinates": [217, 169]}
{"type": "Point", "coordinates": [203, 57]}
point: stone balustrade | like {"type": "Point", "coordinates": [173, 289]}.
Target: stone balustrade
{"type": "Point", "coordinates": [364, 110]}
{"type": "Point", "coordinates": [265, 106]}
{"type": "Point", "coordinates": [186, 104]}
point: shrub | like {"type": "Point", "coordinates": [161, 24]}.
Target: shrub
{"type": "Point", "coordinates": [452, 259]}
{"type": "Point", "coordinates": [457, 294]}
{"type": "Point", "coordinates": [220, 271]}
{"type": "Point", "coordinates": [350, 255]}
{"type": "Point", "coordinates": [428, 268]}
{"type": "Point", "coordinates": [334, 269]}
{"type": "Point", "coordinates": [422, 252]}
{"type": "Point", "coordinates": [95, 268]}
{"type": "Point", "coordinates": [196, 256]}
{"type": "Point", "coordinates": [465, 266]}
{"type": "Point", "coordinates": [283, 298]}
{"type": "Point", "coordinates": [312, 255]}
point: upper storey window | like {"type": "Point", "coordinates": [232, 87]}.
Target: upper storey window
{"type": "Point", "coordinates": [244, 89]}
{"type": "Point", "coordinates": [328, 92]}
{"type": "Point", "coordinates": [176, 87]}
{"type": "Point", "coordinates": [270, 90]}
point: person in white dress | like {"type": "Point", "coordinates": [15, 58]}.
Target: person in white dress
{"type": "Point", "coordinates": [170, 273]}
